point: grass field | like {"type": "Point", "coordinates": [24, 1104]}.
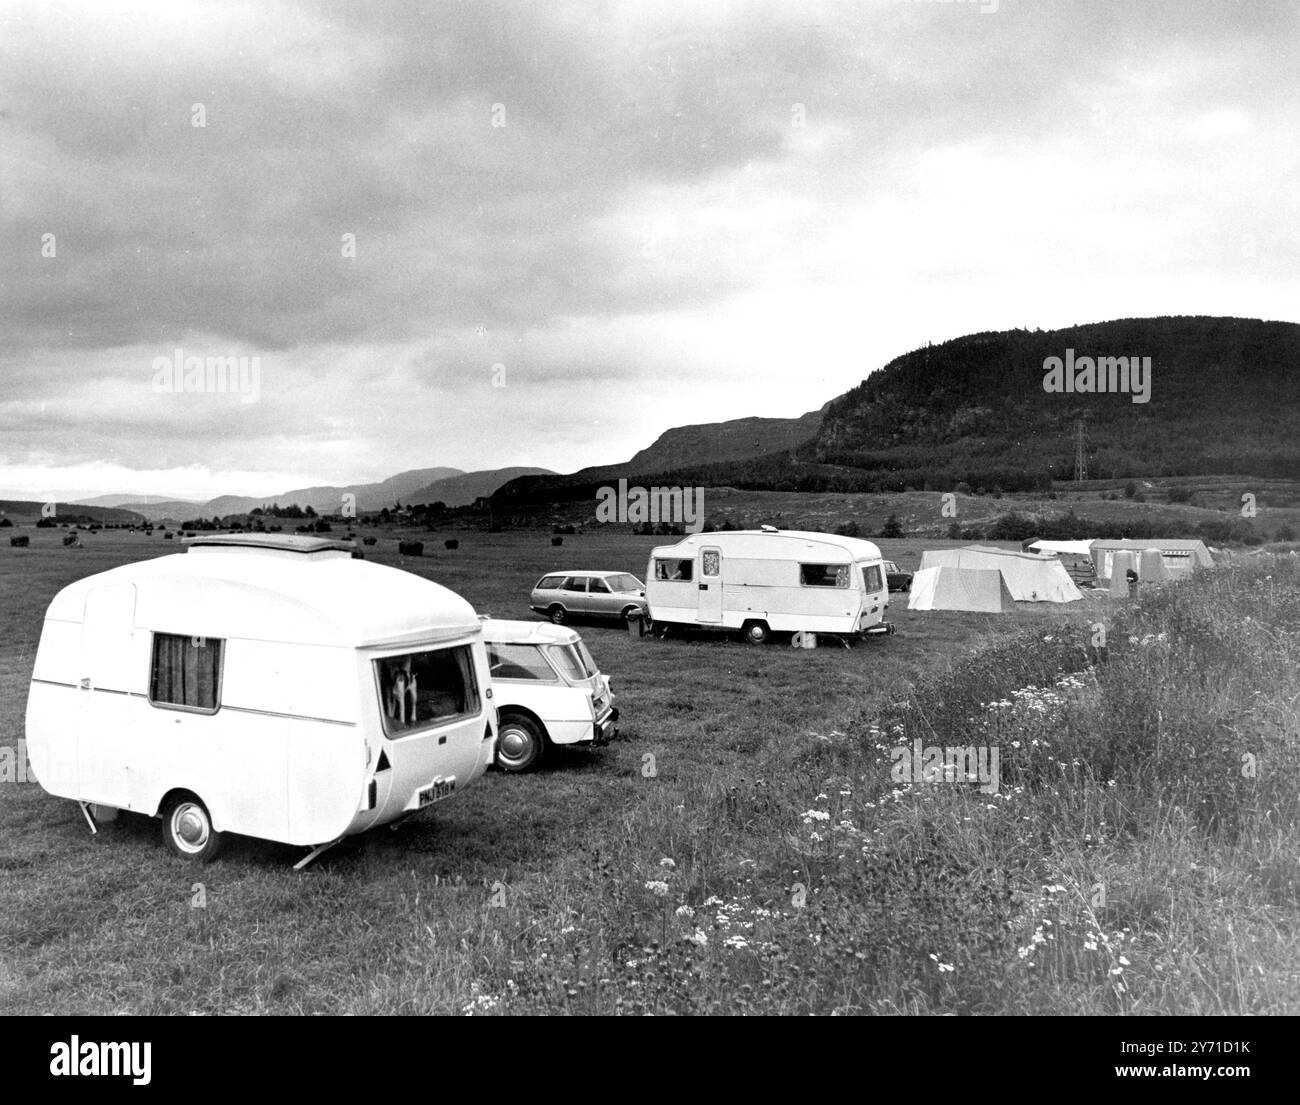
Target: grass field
{"type": "Point", "coordinates": [743, 846]}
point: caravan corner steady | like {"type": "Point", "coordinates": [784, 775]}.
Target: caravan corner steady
{"type": "Point", "coordinates": [770, 581]}
{"type": "Point", "coordinates": [263, 685]}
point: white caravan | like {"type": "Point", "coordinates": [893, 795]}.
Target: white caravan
{"type": "Point", "coordinates": [547, 691]}
{"type": "Point", "coordinates": [769, 581]}
{"type": "Point", "coordinates": [270, 686]}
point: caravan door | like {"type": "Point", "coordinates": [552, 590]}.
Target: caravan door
{"type": "Point", "coordinates": [105, 725]}
{"type": "Point", "coordinates": [709, 610]}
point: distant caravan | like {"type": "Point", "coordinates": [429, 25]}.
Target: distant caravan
{"type": "Point", "coordinates": [769, 581]}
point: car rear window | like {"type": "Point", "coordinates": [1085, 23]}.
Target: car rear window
{"type": "Point", "coordinates": [518, 662]}
{"type": "Point", "coordinates": [549, 583]}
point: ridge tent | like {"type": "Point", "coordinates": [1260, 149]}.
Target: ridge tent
{"type": "Point", "coordinates": [1029, 577]}
{"type": "Point", "coordinates": [1182, 558]}
{"type": "Point", "coordinates": [1075, 557]}
{"type": "Point", "coordinates": [946, 588]}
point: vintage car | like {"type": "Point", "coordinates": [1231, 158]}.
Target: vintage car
{"type": "Point", "coordinates": [897, 579]}
{"type": "Point", "coordinates": [562, 595]}
{"type": "Point", "coordinates": [547, 691]}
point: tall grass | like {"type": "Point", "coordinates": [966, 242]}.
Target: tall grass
{"type": "Point", "coordinates": [1139, 854]}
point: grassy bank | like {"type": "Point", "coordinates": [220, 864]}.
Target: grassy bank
{"type": "Point", "coordinates": [1139, 854]}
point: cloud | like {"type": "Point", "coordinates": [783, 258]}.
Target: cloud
{"type": "Point", "coordinates": [682, 213]}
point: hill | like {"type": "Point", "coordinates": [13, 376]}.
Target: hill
{"type": "Point", "coordinates": [27, 511]}
{"type": "Point", "coordinates": [329, 499]}
{"type": "Point", "coordinates": [1224, 398]}
{"type": "Point", "coordinates": [463, 489]}
{"type": "Point", "coordinates": [973, 414]}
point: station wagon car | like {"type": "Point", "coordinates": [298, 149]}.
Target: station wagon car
{"type": "Point", "coordinates": [896, 578]}
{"type": "Point", "coordinates": [561, 595]}
{"type": "Point", "coordinates": [547, 691]}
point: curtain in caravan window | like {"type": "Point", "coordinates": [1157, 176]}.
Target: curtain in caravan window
{"type": "Point", "coordinates": [186, 671]}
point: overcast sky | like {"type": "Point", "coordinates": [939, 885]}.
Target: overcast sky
{"type": "Point", "coordinates": [579, 224]}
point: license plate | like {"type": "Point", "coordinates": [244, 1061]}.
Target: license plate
{"type": "Point", "coordinates": [437, 790]}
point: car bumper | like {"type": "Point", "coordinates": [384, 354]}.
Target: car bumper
{"type": "Point", "coordinates": [605, 728]}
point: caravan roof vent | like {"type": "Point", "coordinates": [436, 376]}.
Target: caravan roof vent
{"type": "Point", "coordinates": [275, 542]}
{"type": "Point", "coordinates": [769, 529]}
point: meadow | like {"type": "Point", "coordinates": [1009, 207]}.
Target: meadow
{"type": "Point", "coordinates": [746, 844]}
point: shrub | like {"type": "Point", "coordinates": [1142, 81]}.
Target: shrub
{"type": "Point", "coordinates": [892, 527]}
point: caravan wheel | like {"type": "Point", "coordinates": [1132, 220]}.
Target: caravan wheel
{"type": "Point", "coordinates": [187, 829]}
{"type": "Point", "coordinates": [755, 633]}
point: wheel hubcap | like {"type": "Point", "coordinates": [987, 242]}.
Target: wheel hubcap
{"type": "Point", "coordinates": [190, 827]}
{"type": "Point", "coordinates": [515, 745]}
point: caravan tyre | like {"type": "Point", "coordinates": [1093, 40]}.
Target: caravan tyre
{"type": "Point", "coordinates": [187, 829]}
{"type": "Point", "coordinates": [755, 633]}
{"type": "Point", "coordinates": [520, 744]}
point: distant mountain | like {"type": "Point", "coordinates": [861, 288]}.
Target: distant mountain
{"type": "Point", "coordinates": [132, 501]}
{"type": "Point", "coordinates": [714, 442]}
{"type": "Point", "coordinates": [27, 511]}
{"type": "Point", "coordinates": [973, 413]}
{"type": "Point", "coordinates": [702, 445]}
{"type": "Point", "coordinates": [329, 499]}
{"type": "Point", "coordinates": [161, 509]}
{"type": "Point", "coordinates": [464, 489]}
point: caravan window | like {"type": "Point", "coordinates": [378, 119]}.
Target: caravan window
{"type": "Point", "coordinates": [871, 577]}
{"type": "Point", "coordinates": [186, 672]}
{"type": "Point", "coordinates": [673, 569]}
{"type": "Point", "coordinates": [824, 575]}
{"type": "Point", "coordinates": [421, 689]}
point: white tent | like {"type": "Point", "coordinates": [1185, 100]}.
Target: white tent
{"type": "Point", "coordinates": [1181, 558]}
{"type": "Point", "coordinates": [947, 588]}
{"type": "Point", "coordinates": [1063, 548]}
{"type": "Point", "coordinates": [1029, 577]}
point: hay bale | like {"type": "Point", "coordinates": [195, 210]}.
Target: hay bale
{"type": "Point", "coordinates": [411, 548]}
{"type": "Point", "coordinates": [369, 540]}
{"type": "Point", "coordinates": [70, 539]}
{"type": "Point", "coordinates": [20, 542]}
{"type": "Point", "coordinates": [557, 540]}
{"type": "Point", "coordinates": [451, 543]}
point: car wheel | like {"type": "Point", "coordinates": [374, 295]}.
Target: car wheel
{"type": "Point", "coordinates": [630, 611]}
{"type": "Point", "coordinates": [520, 744]}
{"type": "Point", "coordinates": [187, 829]}
{"type": "Point", "coordinates": [557, 614]}
{"type": "Point", "coordinates": [755, 633]}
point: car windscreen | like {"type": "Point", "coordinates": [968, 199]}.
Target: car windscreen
{"type": "Point", "coordinates": [624, 582]}
{"type": "Point", "coordinates": [421, 689]}
{"type": "Point", "coordinates": [574, 661]}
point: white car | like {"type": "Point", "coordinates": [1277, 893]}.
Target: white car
{"type": "Point", "coordinates": [547, 690]}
